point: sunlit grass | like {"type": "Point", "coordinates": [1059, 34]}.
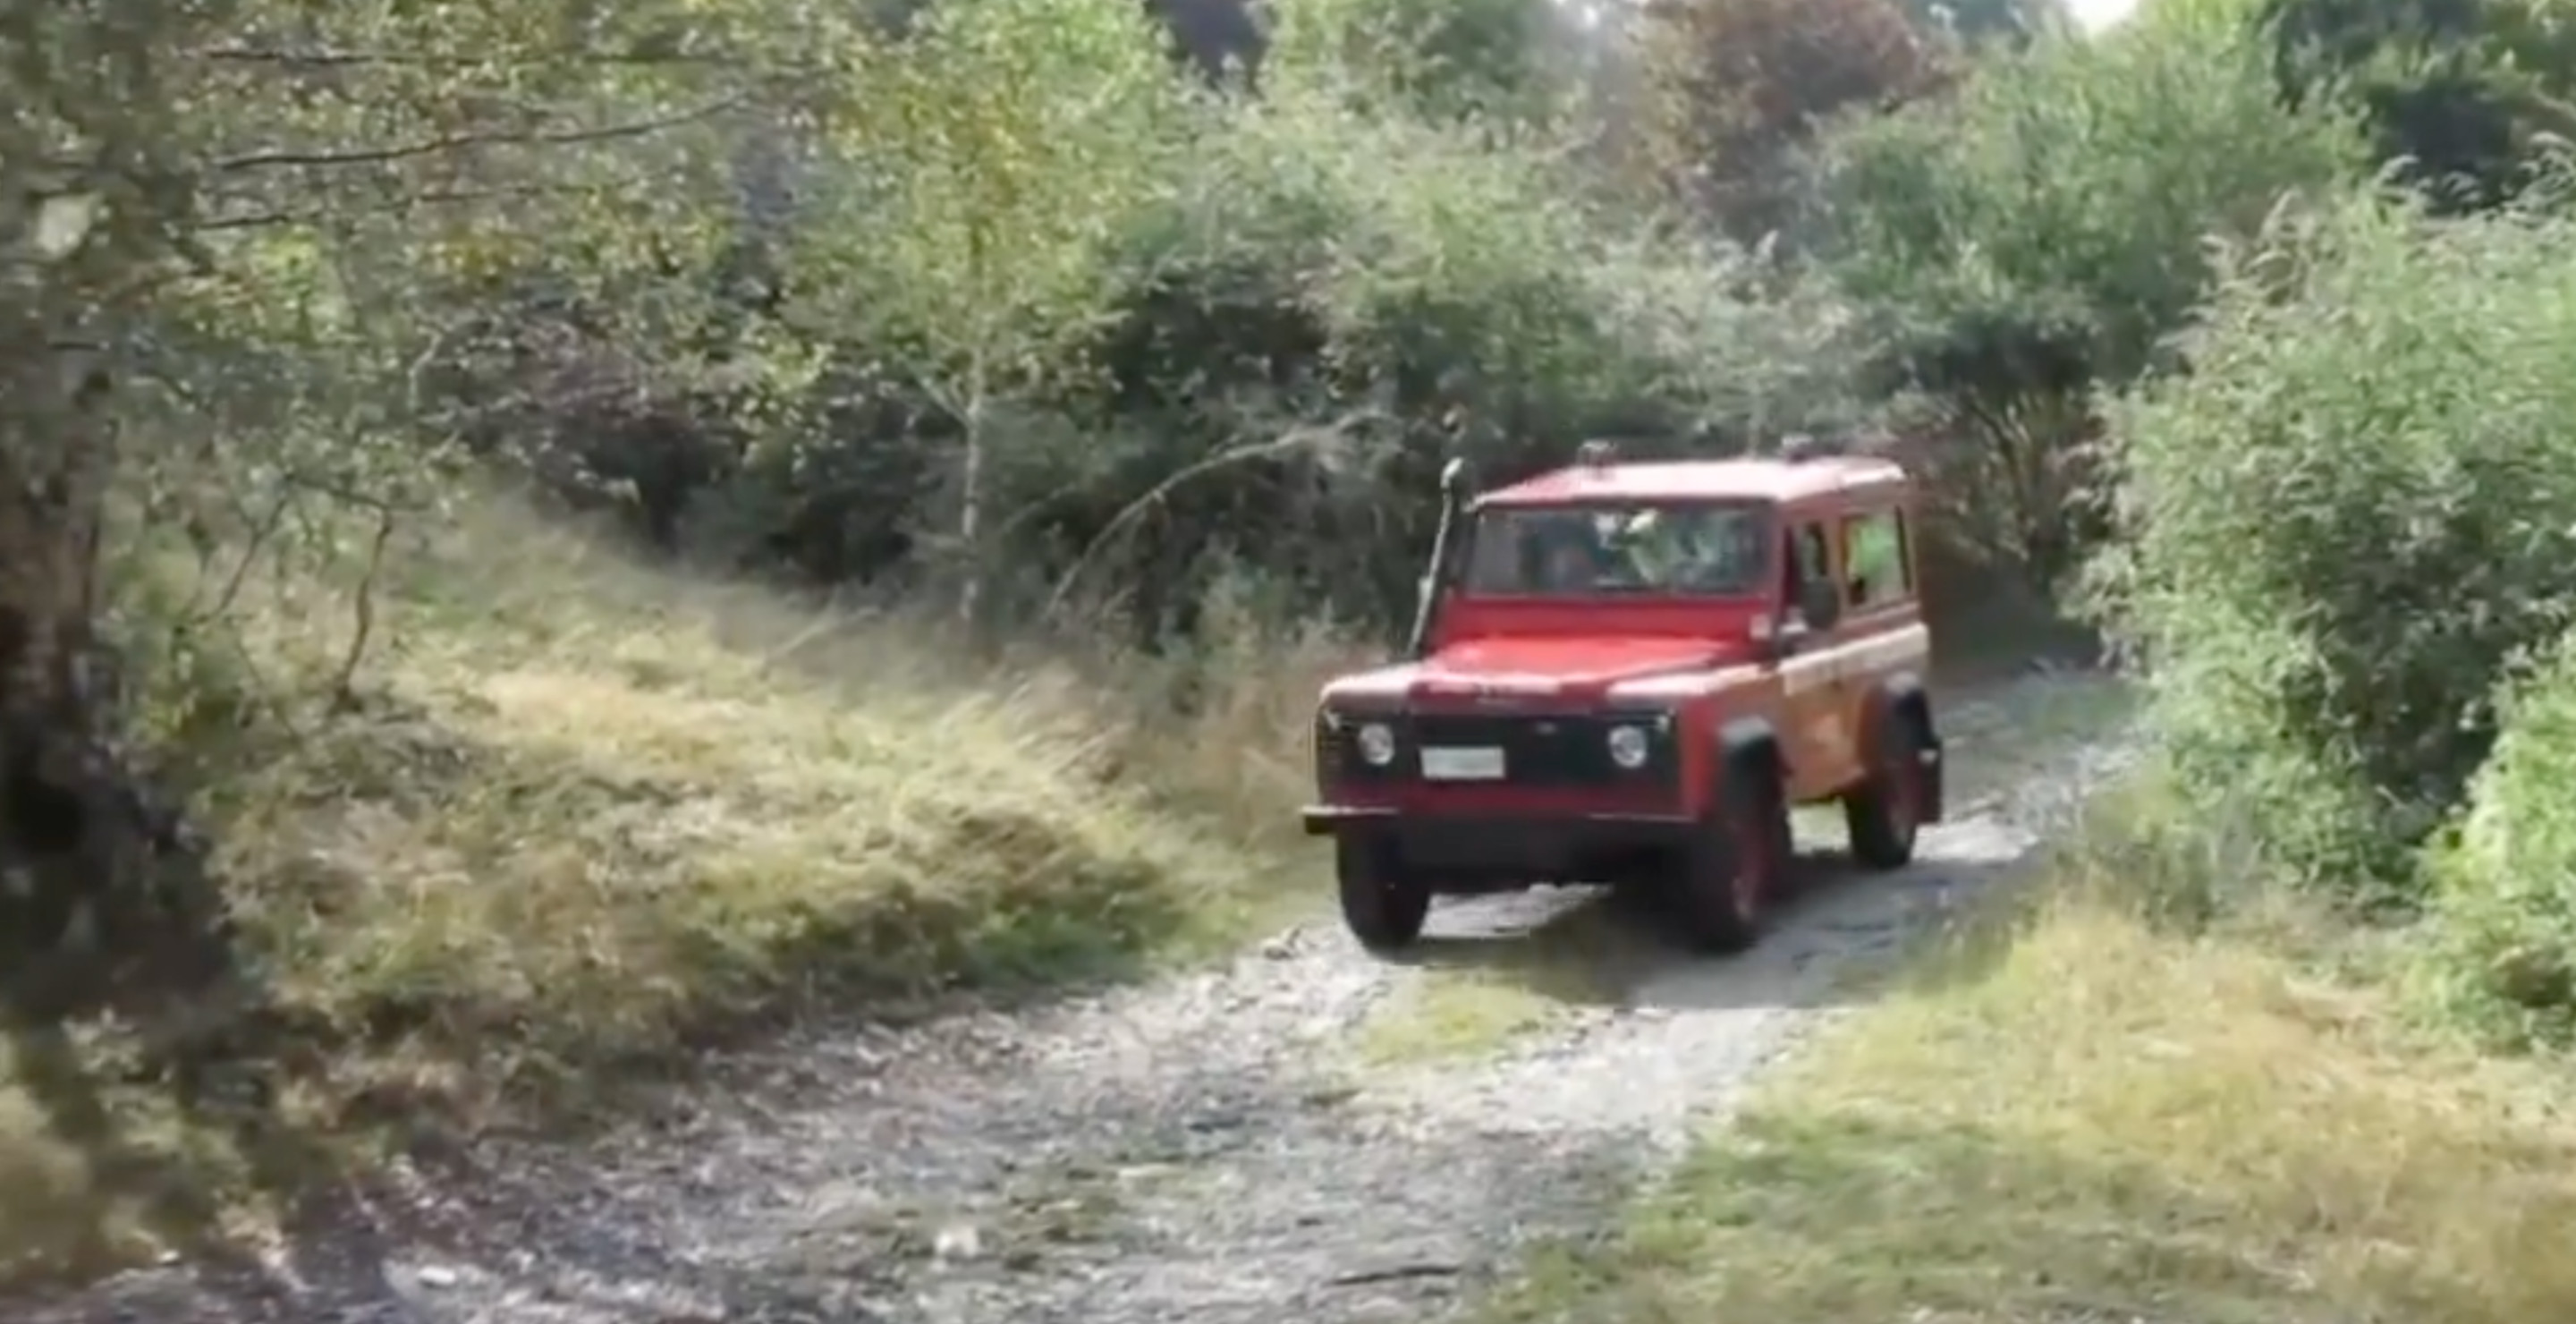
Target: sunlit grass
{"type": "Point", "coordinates": [588, 815]}
{"type": "Point", "coordinates": [2075, 1112]}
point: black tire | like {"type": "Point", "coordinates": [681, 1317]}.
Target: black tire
{"type": "Point", "coordinates": [1736, 866]}
{"type": "Point", "coordinates": [1885, 813]}
{"type": "Point", "coordinates": [1382, 905]}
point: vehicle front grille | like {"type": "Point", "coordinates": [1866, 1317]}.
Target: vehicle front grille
{"type": "Point", "coordinates": [1540, 750]}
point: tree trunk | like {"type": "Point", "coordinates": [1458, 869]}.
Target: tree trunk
{"type": "Point", "coordinates": [94, 206]}
{"type": "Point", "coordinates": [85, 849]}
{"type": "Point", "coordinates": [970, 502]}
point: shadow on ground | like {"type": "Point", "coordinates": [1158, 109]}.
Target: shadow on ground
{"type": "Point", "coordinates": [149, 1116]}
{"type": "Point", "coordinates": [159, 1099]}
{"type": "Point", "coordinates": [1493, 971]}
{"type": "Point", "coordinates": [1496, 972]}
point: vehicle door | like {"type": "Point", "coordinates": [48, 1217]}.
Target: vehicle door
{"type": "Point", "coordinates": [1818, 740]}
{"type": "Point", "coordinates": [1879, 604]}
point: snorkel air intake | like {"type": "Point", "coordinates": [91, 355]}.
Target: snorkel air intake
{"type": "Point", "coordinates": [1444, 543]}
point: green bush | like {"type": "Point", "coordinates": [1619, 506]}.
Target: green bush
{"type": "Point", "coordinates": [2460, 99]}
{"type": "Point", "coordinates": [2503, 911]}
{"type": "Point", "coordinates": [2040, 231]}
{"type": "Point", "coordinates": [2069, 187]}
{"type": "Point", "coordinates": [1331, 299]}
{"type": "Point", "coordinates": [1144, 331]}
{"type": "Point", "coordinates": [1437, 58]}
{"type": "Point", "coordinates": [2349, 517]}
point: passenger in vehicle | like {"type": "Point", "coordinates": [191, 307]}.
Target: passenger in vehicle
{"type": "Point", "coordinates": [1727, 555]}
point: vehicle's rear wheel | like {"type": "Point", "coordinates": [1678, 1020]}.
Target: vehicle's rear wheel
{"type": "Point", "coordinates": [1736, 866]}
{"type": "Point", "coordinates": [1383, 904]}
{"type": "Point", "coordinates": [1885, 813]}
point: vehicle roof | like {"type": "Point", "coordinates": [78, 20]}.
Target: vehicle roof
{"type": "Point", "coordinates": [1697, 480]}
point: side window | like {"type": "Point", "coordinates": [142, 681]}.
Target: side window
{"type": "Point", "coordinates": [1807, 561]}
{"type": "Point", "coordinates": [1814, 559]}
{"type": "Point", "coordinates": [1874, 562]}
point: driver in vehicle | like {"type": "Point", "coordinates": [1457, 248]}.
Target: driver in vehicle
{"type": "Point", "coordinates": [1570, 567]}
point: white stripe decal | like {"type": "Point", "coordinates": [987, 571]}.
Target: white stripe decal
{"type": "Point", "coordinates": [1808, 671]}
{"type": "Point", "coordinates": [1685, 684]}
{"type": "Point", "coordinates": [1799, 674]}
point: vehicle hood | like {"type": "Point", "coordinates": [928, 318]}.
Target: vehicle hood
{"type": "Point", "coordinates": [1533, 668]}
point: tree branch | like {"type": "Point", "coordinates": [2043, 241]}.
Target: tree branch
{"type": "Point", "coordinates": [283, 158]}
{"type": "Point", "coordinates": [1304, 439]}
{"type": "Point", "coordinates": [323, 57]}
{"type": "Point", "coordinates": [452, 197]}
{"type": "Point", "coordinates": [344, 694]}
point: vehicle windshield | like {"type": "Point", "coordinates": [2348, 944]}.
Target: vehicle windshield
{"type": "Point", "coordinates": [1596, 550]}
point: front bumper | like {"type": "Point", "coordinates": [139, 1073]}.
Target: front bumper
{"type": "Point", "coordinates": [1505, 849]}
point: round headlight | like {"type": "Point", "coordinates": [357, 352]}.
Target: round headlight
{"type": "Point", "coordinates": [1377, 744]}
{"type": "Point", "coordinates": [1628, 746]}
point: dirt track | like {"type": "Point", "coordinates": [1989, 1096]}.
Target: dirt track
{"type": "Point", "coordinates": [1214, 1149]}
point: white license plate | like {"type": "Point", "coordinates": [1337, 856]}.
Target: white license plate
{"type": "Point", "coordinates": [1462, 765]}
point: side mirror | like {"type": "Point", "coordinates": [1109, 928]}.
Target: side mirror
{"type": "Point", "coordinates": [1821, 602]}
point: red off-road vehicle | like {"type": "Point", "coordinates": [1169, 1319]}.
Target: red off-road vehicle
{"type": "Point", "coordinates": [1627, 673]}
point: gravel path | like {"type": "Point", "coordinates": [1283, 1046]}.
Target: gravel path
{"type": "Point", "coordinates": [1205, 1149]}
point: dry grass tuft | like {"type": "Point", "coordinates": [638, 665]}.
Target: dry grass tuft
{"type": "Point", "coordinates": [2080, 1113]}
{"type": "Point", "coordinates": [590, 813]}
{"type": "Point", "coordinates": [593, 806]}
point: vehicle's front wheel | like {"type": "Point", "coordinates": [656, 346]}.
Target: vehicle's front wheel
{"type": "Point", "coordinates": [1383, 904]}
{"type": "Point", "coordinates": [1885, 813]}
{"type": "Point", "coordinates": [1736, 866]}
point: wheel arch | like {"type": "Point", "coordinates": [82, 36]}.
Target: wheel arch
{"type": "Point", "coordinates": [1903, 699]}
{"type": "Point", "coordinates": [1903, 696]}
{"type": "Point", "coordinates": [1750, 744]}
